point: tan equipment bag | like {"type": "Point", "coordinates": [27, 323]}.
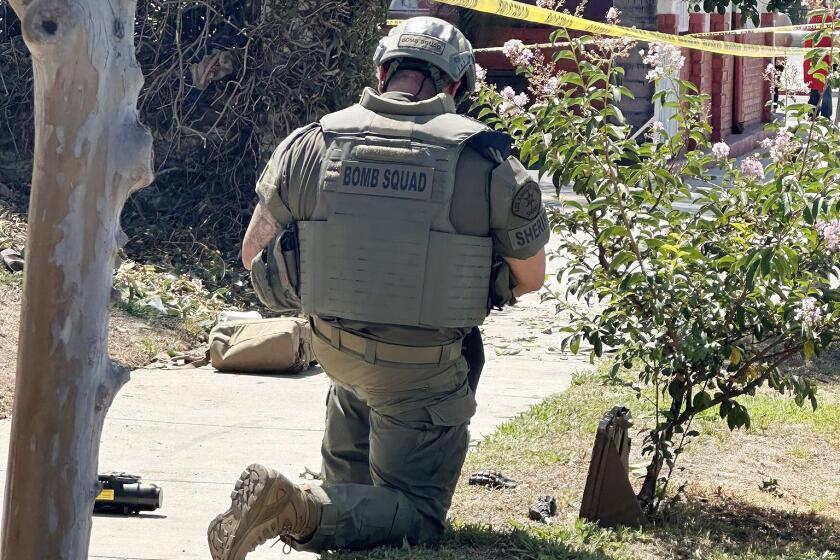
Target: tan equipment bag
{"type": "Point", "coordinates": [281, 345]}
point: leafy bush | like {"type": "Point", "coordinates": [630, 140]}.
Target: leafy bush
{"type": "Point", "coordinates": [225, 81]}
{"type": "Point", "coordinates": [702, 273]}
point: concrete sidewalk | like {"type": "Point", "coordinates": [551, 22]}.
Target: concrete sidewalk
{"type": "Point", "coordinates": [193, 431]}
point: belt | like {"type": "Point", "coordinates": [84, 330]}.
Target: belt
{"type": "Point", "coordinates": [375, 352]}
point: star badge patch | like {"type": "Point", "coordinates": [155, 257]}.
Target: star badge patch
{"type": "Point", "coordinates": [527, 201]}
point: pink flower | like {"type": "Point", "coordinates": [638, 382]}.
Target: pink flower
{"type": "Point", "coordinates": [664, 59]}
{"type": "Point", "coordinates": [752, 168]}
{"type": "Point", "coordinates": [770, 72]}
{"type": "Point", "coordinates": [612, 15]}
{"type": "Point", "coordinates": [520, 100]}
{"type": "Point", "coordinates": [720, 150]}
{"type": "Point", "coordinates": [513, 103]}
{"type": "Point", "coordinates": [656, 130]}
{"type": "Point", "coordinates": [809, 312]}
{"type": "Point", "coordinates": [830, 232]}
{"type": "Point", "coordinates": [780, 146]}
{"type": "Point", "coordinates": [480, 77]}
{"type": "Point", "coordinates": [549, 87]}
{"type": "Point", "coordinates": [517, 53]}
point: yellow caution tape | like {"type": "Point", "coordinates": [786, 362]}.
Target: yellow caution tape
{"type": "Point", "coordinates": [534, 14]}
{"type": "Point", "coordinates": [779, 29]}
{"type": "Point", "coordinates": [393, 22]}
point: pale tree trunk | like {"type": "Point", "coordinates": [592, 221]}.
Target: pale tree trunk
{"type": "Point", "coordinates": [90, 153]}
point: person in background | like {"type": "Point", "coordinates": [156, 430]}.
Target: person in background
{"type": "Point", "coordinates": [820, 93]}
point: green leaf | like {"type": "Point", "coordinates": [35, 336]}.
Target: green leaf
{"type": "Point", "coordinates": [622, 258]}
{"type": "Point", "coordinates": [571, 78]}
{"type": "Point", "coordinates": [766, 261]}
{"type": "Point", "coordinates": [751, 273]}
{"type": "Point", "coordinates": [597, 345]}
{"type": "Point", "coordinates": [701, 401]}
{"type": "Point", "coordinates": [612, 231]}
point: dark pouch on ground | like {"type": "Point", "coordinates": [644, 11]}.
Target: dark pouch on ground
{"type": "Point", "coordinates": [275, 272]}
{"type": "Point", "coordinates": [473, 352]}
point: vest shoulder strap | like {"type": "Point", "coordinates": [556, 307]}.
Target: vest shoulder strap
{"type": "Point", "coordinates": [443, 128]}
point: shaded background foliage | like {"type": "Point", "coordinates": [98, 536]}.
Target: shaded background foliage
{"type": "Point", "coordinates": [226, 80]}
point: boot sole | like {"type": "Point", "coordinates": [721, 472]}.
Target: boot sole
{"type": "Point", "coordinates": [247, 495]}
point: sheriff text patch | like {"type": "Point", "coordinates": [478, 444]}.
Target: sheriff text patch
{"type": "Point", "coordinates": [530, 232]}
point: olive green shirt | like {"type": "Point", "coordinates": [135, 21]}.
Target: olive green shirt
{"type": "Point", "coordinates": [490, 194]}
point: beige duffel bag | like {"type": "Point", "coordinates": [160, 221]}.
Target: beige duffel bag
{"type": "Point", "coordinates": [281, 345]}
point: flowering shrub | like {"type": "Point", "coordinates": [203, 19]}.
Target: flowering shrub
{"type": "Point", "coordinates": [705, 285]}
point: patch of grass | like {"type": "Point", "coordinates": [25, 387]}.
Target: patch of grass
{"type": "Point", "coordinates": [547, 447]}
{"type": "Point", "coordinates": [464, 541]}
{"type": "Point", "coordinates": [801, 452]}
{"type": "Point", "coordinates": [725, 527]}
{"type": "Point", "coordinates": [542, 434]}
{"type": "Point", "coordinates": [770, 411]}
{"type": "Point", "coordinates": [151, 346]}
{"type": "Point", "coordinates": [7, 278]}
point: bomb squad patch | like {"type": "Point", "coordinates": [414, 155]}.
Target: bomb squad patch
{"type": "Point", "coordinates": [380, 179]}
{"type": "Point", "coordinates": [527, 202]}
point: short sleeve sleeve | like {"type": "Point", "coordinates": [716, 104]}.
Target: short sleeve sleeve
{"type": "Point", "coordinates": [290, 176]}
{"type": "Point", "coordinates": [519, 223]}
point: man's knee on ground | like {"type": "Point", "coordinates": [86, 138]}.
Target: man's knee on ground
{"type": "Point", "coordinates": [372, 516]}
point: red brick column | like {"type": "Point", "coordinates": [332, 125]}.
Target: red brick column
{"type": "Point", "coordinates": [751, 90]}
{"type": "Point", "coordinates": [741, 91]}
{"type": "Point", "coordinates": [722, 66]}
{"type": "Point", "coordinates": [699, 62]}
{"type": "Point", "coordinates": [767, 110]}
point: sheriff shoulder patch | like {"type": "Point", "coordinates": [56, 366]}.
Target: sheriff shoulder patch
{"type": "Point", "coordinates": [527, 202]}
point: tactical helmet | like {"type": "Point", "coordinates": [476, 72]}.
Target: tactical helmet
{"type": "Point", "coordinates": [435, 42]}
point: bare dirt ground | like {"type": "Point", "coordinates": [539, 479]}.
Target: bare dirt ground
{"type": "Point", "coordinates": [132, 340]}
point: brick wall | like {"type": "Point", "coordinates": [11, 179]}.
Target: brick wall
{"type": "Point", "coordinates": [699, 62]}
{"type": "Point", "coordinates": [722, 90]}
{"type": "Point", "coordinates": [641, 14]}
{"type": "Point", "coordinates": [769, 39]}
{"type": "Point", "coordinates": [738, 91]}
{"type": "Point", "coordinates": [750, 86]}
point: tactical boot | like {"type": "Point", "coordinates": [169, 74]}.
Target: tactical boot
{"type": "Point", "coordinates": [264, 505]}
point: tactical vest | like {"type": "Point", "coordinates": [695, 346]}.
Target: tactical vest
{"type": "Point", "coordinates": [380, 247]}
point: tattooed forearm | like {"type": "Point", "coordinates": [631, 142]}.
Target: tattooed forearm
{"type": "Point", "coordinates": [262, 229]}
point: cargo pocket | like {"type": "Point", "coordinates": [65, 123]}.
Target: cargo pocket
{"type": "Point", "coordinates": [260, 281]}
{"type": "Point", "coordinates": [274, 275]}
{"type": "Point", "coordinates": [455, 410]}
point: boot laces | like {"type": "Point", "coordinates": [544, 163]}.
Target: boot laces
{"type": "Point", "coordinates": [287, 545]}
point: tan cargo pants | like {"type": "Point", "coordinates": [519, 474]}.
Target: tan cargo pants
{"type": "Point", "coordinates": [395, 441]}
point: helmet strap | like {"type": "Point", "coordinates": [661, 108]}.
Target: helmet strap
{"type": "Point", "coordinates": [429, 72]}
{"type": "Point", "coordinates": [440, 83]}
